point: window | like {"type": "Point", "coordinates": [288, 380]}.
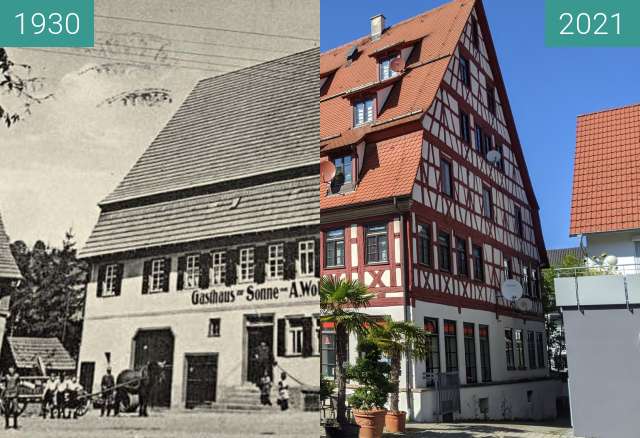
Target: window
{"type": "Point", "coordinates": [535, 285]}
{"type": "Point", "coordinates": [247, 264]}
{"type": "Point", "coordinates": [508, 339]}
{"type": "Point", "coordinates": [218, 267]}
{"type": "Point", "coordinates": [110, 288]}
{"type": "Point", "coordinates": [157, 275]}
{"type": "Point", "coordinates": [464, 71]}
{"type": "Point", "coordinates": [470, 353]}
{"type": "Point", "coordinates": [424, 244]}
{"type": "Point", "coordinates": [519, 349]}
{"type": "Point", "coordinates": [491, 99]}
{"type": "Point", "coordinates": [531, 348]}
{"type": "Point", "coordinates": [507, 268]}
{"type": "Point", "coordinates": [214, 328]}
{"type": "Point", "coordinates": [487, 144]}
{"type": "Point", "coordinates": [334, 244]}
{"type": "Point", "coordinates": [526, 282]}
{"type": "Point", "coordinates": [465, 127]}
{"type": "Point", "coordinates": [343, 169]}
{"type": "Point", "coordinates": [479, 137]}
{"type": "Point", "coordinates": [376, 244]}
{"type": "Point", "coordinates": [296, 338]}
{"type": "Point", "coordinates": [307, 257]}
{"type": "Point", "coordinates": [487, 203]}
{"type": "Point", "coordinates": [450, 345]}
{"type": "Point", "coordinates": [485, 353]}
{"type": "Point", "coordinates": [474, 32]}
{"type": "Point", "coordinates": [478, 263]}
{"type": "Point", "coordinates": [363, 112]}
{"type": "Point", "coordinates": [540, 348]}
{"type": "Point", "coordinates": [500, 163]}
{"type": "Point", "coordinates": [446, 181]}
{"type": "Point", "coordinates": [275, 261]}
{"type": "Point", "coordinates": [519, 228]}
{"type": "Point", "coordinates": [385, 68]}
{"type": "Point", "coordinates": [461, 257]}
{"type": "Point", "coordinates": [433, 342]}
{"type": "Point", "coordinates": [444, 251]}
{"type": "Point", "coordinates": [328, 353]}
{"type": "Point", "coordinates": [192, 271]}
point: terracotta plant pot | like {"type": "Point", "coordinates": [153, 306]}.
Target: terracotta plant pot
{"type": "Point", "coordinates": [394, 422]}
{"type": "Point", "coordinates": [371, 422]}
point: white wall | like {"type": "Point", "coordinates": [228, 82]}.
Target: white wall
{"type": "Point", "coordinates": [621, 244]}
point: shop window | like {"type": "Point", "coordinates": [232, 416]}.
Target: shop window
{"type": "Point", "coordinates": [433, 342]}
{"type": "Point", "coordinates": [214, 328]}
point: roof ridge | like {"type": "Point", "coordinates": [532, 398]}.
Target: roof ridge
{"type": "Point", "coordinates": [608, 110]}
{"type": "Point", "coordinates": [399, 23]}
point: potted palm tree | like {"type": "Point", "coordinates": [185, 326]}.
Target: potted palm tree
{"type": "Point", "coordinates": [397, 339]}
{"type": "Point", "coordinates": [340, 304]}
{"type": "Point", "coordinates": [370, 396]}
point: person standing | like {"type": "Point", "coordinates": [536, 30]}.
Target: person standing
{"type": "Point", "coordinates": [264, 360]}
{"type": "Point", "coordinates": [58, 395]}
{"type": "Point", "coordinates": [10, 397]}
{"type": "Point", "coordinates": [283, 392]}
{"type": "Point", "coordinates": [49, 396]}
{"type": "Point", "coordinates": [265, 389]}
{"type": "Point", "coordinates": [108, 393]}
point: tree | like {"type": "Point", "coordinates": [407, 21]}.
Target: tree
{"type": "Point", "coordinates": [50, 300]}
{"type": "Point", "coordinates": [340, 302]}
{"type": "Point", "coordinates": [397, 339]}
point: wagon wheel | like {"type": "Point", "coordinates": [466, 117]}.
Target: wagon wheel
{"type": "Point", "coordinates": [84, 403]}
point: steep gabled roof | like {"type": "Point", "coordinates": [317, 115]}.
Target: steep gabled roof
{"type": "Point", "coordinates": [253, 121]}
{"type": "Point", "coordinates": [8, 267]}
{"type": "Point", "coordinates": [606, 173]}
{"type": "Point", "coordinates": [25, 352]}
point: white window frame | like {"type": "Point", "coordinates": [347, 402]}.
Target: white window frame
{"type": "Point", "coordinates": [275, 261]}
{"type": "Point", "coordinates": [246, 269]}
{"type": "Point", "coordinates": [110, 280]}
{"type": "Point", "coordinates": [218, 268]}
{"type": "Point", "coordinates": [295, 339]}
{"type": "Point", "coordinates": [192, 271]}
{"type": "Point", "coordinates": [307, 258]}
{"type": "Point", "coordinates": [156, 277]}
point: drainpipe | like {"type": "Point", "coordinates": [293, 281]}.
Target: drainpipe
{"type": "Point", "coordinates": [405, 224]}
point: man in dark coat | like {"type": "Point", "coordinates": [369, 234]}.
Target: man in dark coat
{"type": "Point", "coordinates": [264, 359]}
{"type": "Point", "coordinates": [108, 393]}
{"type": "Point", "coordinates": [10, 395]}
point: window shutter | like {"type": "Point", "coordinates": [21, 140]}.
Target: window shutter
{"type": "Point", "coordinates": [230, 268]}
{"type": "Point", "coordinates": [316, 257]}
{"type": "Point", "coordinates": [102, 270]}
{"type": "Point", "coordinates": [182, 265]}
{"type": "Point", "coordinates": [282, 335]}
{"type": "Point", "coordinates": [167, 274]}
{"type": "Point", "coordinates": [261, 254]}
{"type": "Point", "coordinates": [146, 272]}
{"type": "Point", "coordinates": [118, 285]}
{"type": "Point", "coordinates": [290, 257]}
{"type": "Point", "coordinates": [205, 270]}
{"type": "Point", "coordinates": [307, 336]}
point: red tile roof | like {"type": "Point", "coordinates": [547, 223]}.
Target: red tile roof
{"type": "Point", "coordinates": [606, 193]}
{"type": "Point", "coordinates": [435, 34]}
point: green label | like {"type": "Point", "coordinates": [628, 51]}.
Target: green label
{"type": "Point", "coordinates": [589, 23]}
{"type": "Point", "coordinates": [46, 23]}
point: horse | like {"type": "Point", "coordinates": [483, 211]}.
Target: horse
{"type": "Point", "coordinates": [140, 382]}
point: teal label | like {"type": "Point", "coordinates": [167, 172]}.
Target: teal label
{"type": "Point", "coordinates": [589, 23]}
{"type": "Point", "coordinates": [46, 23]}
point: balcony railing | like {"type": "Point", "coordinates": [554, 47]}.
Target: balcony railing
{"type": "Point", "coordinates": [598, 285]}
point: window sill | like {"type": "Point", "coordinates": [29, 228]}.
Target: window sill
{"type": "Point", "coordinates": [108, 296]}
{"type": "Point", "coordinates": [335, 267]}
{"type": "Point", "coordinates": [156, 292]}
{"type": "Point", "coordinates": [376, 263]}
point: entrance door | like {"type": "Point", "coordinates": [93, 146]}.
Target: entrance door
{"type": "Point", "coordinates": [259, 329]}
{"type": "Point", "coordinates": [87, 372]}
{"type": "Point", "coordinates": [157, 346]}
{"type": "Point", "coordinates": [202, 375]}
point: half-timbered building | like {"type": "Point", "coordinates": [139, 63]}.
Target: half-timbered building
{"type": "Point", "coordinates": [209, 245]}
{"type": "Point", "coordinates": [431, 207]}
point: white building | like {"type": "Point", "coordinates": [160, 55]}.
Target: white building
{"type": "Point", "coordinates": [209, 246]}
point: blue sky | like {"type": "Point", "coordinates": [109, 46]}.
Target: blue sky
{"type": "Point", "coordinates": [547, 87]}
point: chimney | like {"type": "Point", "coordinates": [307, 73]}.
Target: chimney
{"type": "Point", "coordinates": [377, 26]}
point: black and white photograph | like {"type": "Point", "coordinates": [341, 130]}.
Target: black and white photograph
{"type": "Point", "coordinates": [159, 240]}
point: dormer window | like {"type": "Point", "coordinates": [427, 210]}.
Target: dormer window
{"type": "Point", "coordinates": [344, 175]}
{"type": "Point", "coordinates": [363, 112]}
{"type": "Point", "coordinates": [385, 68]}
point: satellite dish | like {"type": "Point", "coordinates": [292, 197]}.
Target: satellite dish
{"type": "Point", "coordinates": [397, 64]}
{"type": "Point", "coordinates": [611, 260]}
{"type": "Point", "coordinates": [524, 304]}
{"type": "Point", "coordinates": [511, 289]}
{"type": "Point", "coordinates": [327, 171]}
{"type": "Point", "coordinates": [493, 156]}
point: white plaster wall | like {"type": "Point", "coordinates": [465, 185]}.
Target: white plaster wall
{"type": "Point", "coordinates": [621, 244]}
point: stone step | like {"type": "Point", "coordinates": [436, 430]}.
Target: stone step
{"type": "Point", "coordinates": [234, 407]}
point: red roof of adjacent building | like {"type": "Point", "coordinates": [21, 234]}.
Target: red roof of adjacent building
{"type": "Point", "coordinates": [606, 193]}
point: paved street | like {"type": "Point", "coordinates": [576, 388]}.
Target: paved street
{"type": "Point", "coordinates": [486, 430]}
{"type": "Point", "coordinates": [173, 424]}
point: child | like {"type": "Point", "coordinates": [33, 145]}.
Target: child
{"type": "Point", "coordinates": [265, 389]}
{"type": "Point", "coordinates": [49, 398]}
{"type": "Point", "coordinates": [283, 392]}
